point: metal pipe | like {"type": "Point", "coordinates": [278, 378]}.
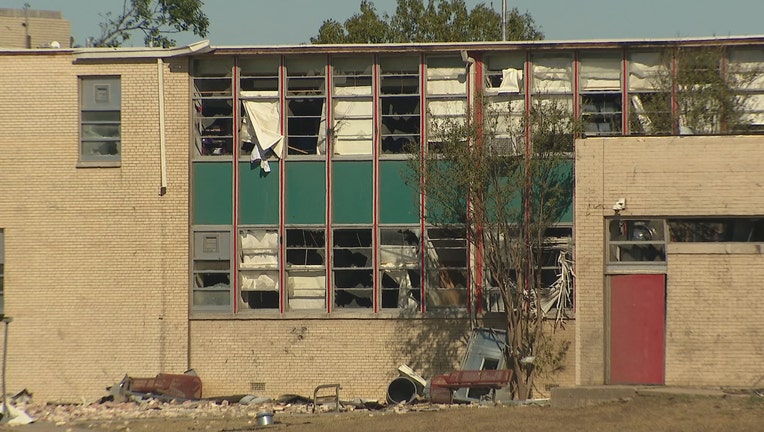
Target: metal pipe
{"type": "Point", "coordinates": [504, 20]}
{"type": "Point", "coordinates": [7, 320]}
{"type": "Point", "coordinates": [162, 143]}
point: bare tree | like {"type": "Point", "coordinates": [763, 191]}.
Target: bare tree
{"type": "Point", "coordinates": [507, 190]}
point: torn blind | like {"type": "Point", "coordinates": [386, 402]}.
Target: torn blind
{"type": "Point", "coordinates": [746, 68]}
{"type": "Point", "coordinates": [511, 80]}
{"type": "Point", "coordinates": [446, 81]}
{"type": "Point", "coordinates": [552, 75]}
{"type": "Point", "coordinates": [353, 127]}
{"type": "Point", "coordinates": [639, 110]}
{"type": "Point", "coordinates": [262, 129]}
{"type": "Point", "coordinates": [645, 70]}
{"type": "Point", "coordinates": [600, 74]}
{"type": "Point", "coordinates": [259, 252]}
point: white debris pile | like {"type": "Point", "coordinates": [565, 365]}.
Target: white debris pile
{"type": "Point", "coordinates": [150, 408]}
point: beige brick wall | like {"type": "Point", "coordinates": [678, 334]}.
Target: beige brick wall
{"type": "Point", "coordinates": [96, 262]}
{"type": "Point", "coordinates": [589, 238]}
{"type": "Point", "coordinates": [96, 266]}
{"type": "Point", "coordinates": [711, 330]}
{"type": "Point", "coordinates": [293, 356]}
{"type": "Point", "coordinates": [43, 28]}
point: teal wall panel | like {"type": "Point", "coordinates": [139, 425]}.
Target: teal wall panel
{"type": "Point", "coordinates": [305, 192]}
{"type": "Point", "coordinates": [258, 194]}
{"type": "Point", "coordinates": [398, 202]}
{"type": "Point", "coordinates": [352, 192]}
{"type": "Point", "coordinates": [213, 193]}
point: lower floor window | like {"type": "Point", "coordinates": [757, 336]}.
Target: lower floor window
{"type": "Point", "coordinates": [312, 268]}
{"type": "Point", "coordinates": [446, 268]}
{"type": "Point", "coordinates": [306, 268]}
{"type": "Point", "coordinates": [211, 286]}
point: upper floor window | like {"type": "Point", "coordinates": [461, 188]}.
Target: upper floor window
{"type": "Point", "coordinates": [600, 93]}
{"type": "Point", "coordinates": [213, 107]}
{"type": "Point", "coordinates": [100, 119]}
{"type": "Point", "coordinates": [399, 96]}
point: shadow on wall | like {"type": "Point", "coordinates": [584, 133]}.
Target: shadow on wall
{"type": "Point", "coordinates": [432, 346]}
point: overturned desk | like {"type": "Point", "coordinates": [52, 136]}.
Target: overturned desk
{"type": "Point", "coordinates": [442, 387]}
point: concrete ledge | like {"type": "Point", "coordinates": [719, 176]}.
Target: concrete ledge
{"type": "Point", "coordinates": [578, 397]}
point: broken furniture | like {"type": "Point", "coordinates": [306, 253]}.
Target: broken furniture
{"type": "Point", "coordinates": [327, 397]}
{"type": "Point", "coordinates": [442, 387]}
{"type": "Point", "coordinates": [180, 386]}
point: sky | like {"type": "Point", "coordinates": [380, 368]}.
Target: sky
{"type": "Point", "coordinates": [292, 22]}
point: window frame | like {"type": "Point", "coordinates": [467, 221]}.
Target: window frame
{"type": "Point", "coordinates": [222, 254]}
{"type": "Point", "coordinates": [91, 117]}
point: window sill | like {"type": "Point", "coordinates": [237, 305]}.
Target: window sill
{"type": "Point", "coordinates": [712, 248]}
{"type": "Point", "coordinates": [335, 314]}
{"type": "Point", "coordinates": [99, 164]}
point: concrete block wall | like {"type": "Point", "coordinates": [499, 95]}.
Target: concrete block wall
{"type": "Point", "coordinates": [712, 337]}
{"type": "Point", "coordinates": [96, 264]}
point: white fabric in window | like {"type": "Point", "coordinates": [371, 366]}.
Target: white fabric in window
{"type": "Point", "coordinates": [511, 80]}
{"type": "Point", "coordinates": [263, 130]}
{"type": "Point", "coordinates": [600, 74]}
{"type": "Point", "coordinates": [259, 281]}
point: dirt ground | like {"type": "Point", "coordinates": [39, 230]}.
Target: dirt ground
{"type": "Point", "coordinates": [644, 413]}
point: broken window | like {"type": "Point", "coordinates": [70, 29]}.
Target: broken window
{"type": "Point", "coordinates": [552, 74]}
{"type": "Point", "coordinates": [446, 96]}
{"type": "Point", "coordinates": [746, 72]}
{"type": "Point", "coordinates": [556, 274]}
{"type": "Point", "coordinates": [551, 109]}
{"type": "Point", "coordinates": [505, 101]}
{"type": "Point", "coordinates": [260, 134]}
{"type": "Point", "coordinates": [636, 240]}
{"type": "Point", "coordinates": [649, 94]}
{"type": "Point", "coordinates": [100, 119]}
{"type": "Point", "coordinates": [211, 271]}
{"type": "Point", "coordinates": [400, 100]}
{"type": "Point", "coordinates": [213, 107]}
{"type": "Point", "coordinates": [259, 268]}
{"type": "Point", "coordinates": [702, 95]}
{"type": "Point", "coordinates": [352, 106]}
{"type": "Point", "coordinates": [306, 268]}
{"type": "Point", "coordinates": [600, 93]}
{"type": "Point", "coordinates": [446, 267]}
{"type": "Point", "coordinates": [717, 230]}
{"type": "Point", "coordinates": [352, 264]}
{"type": "Point", "coordinates": [400, 268]}
{"type": "Point", "coordinates": [306, 105]}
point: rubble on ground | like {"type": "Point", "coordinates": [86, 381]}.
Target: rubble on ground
{"type": "Point", "coordinates": [158, 408]}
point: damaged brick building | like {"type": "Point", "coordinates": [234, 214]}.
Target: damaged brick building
{"type": "Point", "coordinates": [242, 211]}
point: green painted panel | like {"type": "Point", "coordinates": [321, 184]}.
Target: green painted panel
{"type": "Point", "coordinates": [398, 201]}
{"type": "Point", "coordinates": [305, 192]}
{"type": "Point", "coordinates": [258, 194]}
{"type": "Point", "coordinates": [352, 192]}
{"type": "Point", "coordinates": [213, 193]}
{"type": "Point", "coordinates": [566, 175]}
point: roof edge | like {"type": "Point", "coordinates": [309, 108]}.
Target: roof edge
{"type": "Point", "coordinates": [140, 52]}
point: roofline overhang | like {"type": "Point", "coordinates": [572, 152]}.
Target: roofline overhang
{"type": "Point", "coordinates": [86, 54]}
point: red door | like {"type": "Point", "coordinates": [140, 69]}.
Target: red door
{"type": "Point", "coordinates": [637, 320]}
